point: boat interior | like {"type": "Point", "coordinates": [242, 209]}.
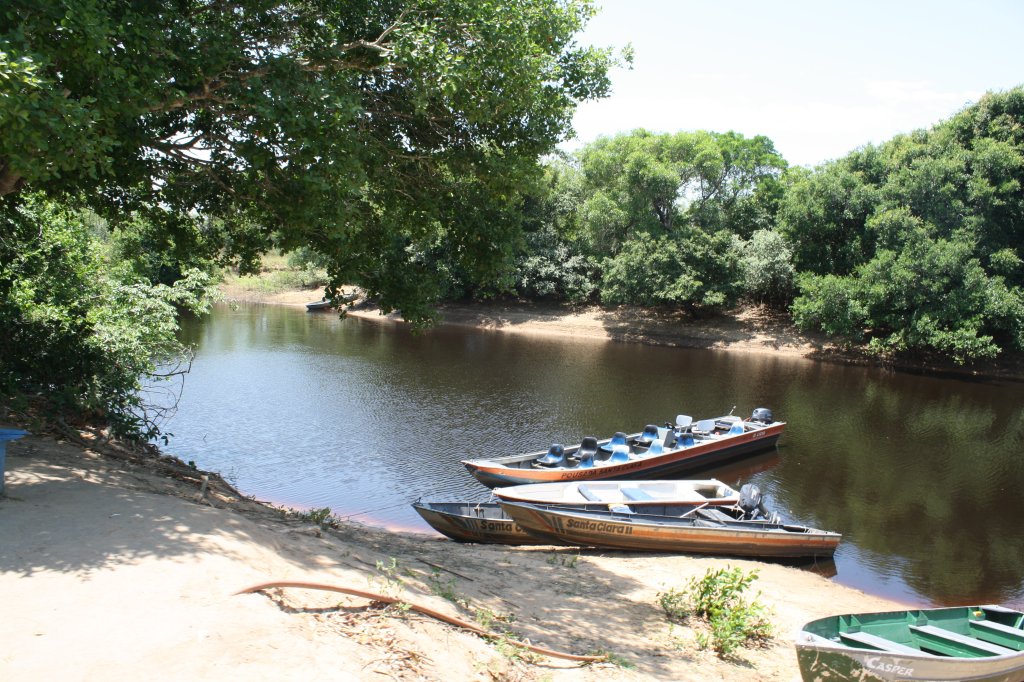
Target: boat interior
{"type": "Point", "coordinates": [964, 632]}
{"type": "Point", "coordinates": [654, 440]}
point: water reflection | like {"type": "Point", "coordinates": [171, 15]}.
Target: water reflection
{"type": "Point", "coordinates": [921, 475]}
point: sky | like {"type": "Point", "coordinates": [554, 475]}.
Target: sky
{"type": "Point", "coordinates": [818, 78]}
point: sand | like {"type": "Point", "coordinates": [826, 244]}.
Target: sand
{"type": "Point", "coordinates": [120, 566]}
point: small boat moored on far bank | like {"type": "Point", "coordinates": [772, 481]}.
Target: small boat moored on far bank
{"type": "Point", "coordinates": [636, 493]}
{"type": "Point", "coordinates": [655, 453]}
{"type": "Point", "coordinates": [942, 644]}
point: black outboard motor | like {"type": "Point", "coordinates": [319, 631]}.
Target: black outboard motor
{"type": "Point", "coordinates": [752, 502]}
{"type": "Point", "coordinates": [762, 415]}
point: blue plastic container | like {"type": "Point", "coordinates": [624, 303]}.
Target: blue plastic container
{"type": "Point", "coordinates": [6, 435]}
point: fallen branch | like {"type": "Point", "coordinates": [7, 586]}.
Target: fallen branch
{"type": "Point", "coordinates": [451, 620]}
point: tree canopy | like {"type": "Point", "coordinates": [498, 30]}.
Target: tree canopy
{"type": "Point", "coordinates": [361, 129]}
{"type": "Point", "coordinates": [914, 245]}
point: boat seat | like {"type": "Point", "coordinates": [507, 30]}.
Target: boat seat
{"type": "Point", "coordinates": [618, 439]}
{"type": "Point", "coordinates": [649, 435]}
{"type": "Point", "coordinates": [587, 493]}
{"type": "Point", "coordinates": [554, 457]}
{"type": "Point", "coordinates": [586, 452]}
{"type": "Point", "coordinates": [656, 448]}
{"type": "Point", "coordinates": [951, 643]}
{"type": "Point", "coordinates": [636, 495]}
{"type": "Point", "coordinates": [997, 633]}
{"type": "Point", "coordinates": [881, 643]}
{"type": "Point", "coordinates": [704, 426]}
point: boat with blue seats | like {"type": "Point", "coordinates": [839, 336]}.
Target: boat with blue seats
{"type": "Point", "coordinates": [655, 453]}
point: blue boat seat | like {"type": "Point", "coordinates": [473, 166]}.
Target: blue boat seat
{"type": "Point", "coordinates": [736, 428]}
{"type": "Point", "coordinates": [657, 448]}
{"type": "Point", "coordinates": [636, 495]}
{"type": "Point", "coordinates": [649, 435]}
{"type": "Point", "coordinates": [555, 456]}
{"type": "Point", "coordinates": [586, 452]}
{"type": "Point", "coordinates": [620, 454]}
{"type": "Point", "coordinates": [618, 439]}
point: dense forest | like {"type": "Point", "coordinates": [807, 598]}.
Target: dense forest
{"type": "Point", "coordinates": [409, 148]}
{"type": "Point", "coordinates": [908, 247]}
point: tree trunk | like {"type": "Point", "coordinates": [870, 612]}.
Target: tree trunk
{"type": "Point", "coordinates": [10, 181]}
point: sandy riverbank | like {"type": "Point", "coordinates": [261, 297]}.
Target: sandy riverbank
{"type": "Point", "coordinates": [742, 330]}
{"type": "Point", "coordinates": [117, 566]}
{"type": "Point", "coordinates": [749, 330]}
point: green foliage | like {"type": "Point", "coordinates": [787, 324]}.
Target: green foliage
{"type": "Point", "coordinates": [823, 216]}
{"type": "Point", "coordinates": [372, 132]}
{"type": "Point", "coordinates": [446, 589]}
{"type": "Point", "coordinates": [766, 267]}
{"type": "Point", "coordinates": [322, 517]}
{"type": "Point", "coordinates": [160, 246]}
{"type": "Point", "coordinates": [563, 560]}
{"type": "Point", "coordinates": [718, 599]}
{"type": "Point", "coordinates": [662, 184]}
{"type": "Point", "coordinates": [82, 334]}
{"type": "Point", "coordinates": [914, 245]}
{"type": "Point", "coordinates": [702, 270]}
{"type": "Point", "coordinates": [552, 270]}
{"type": "Point", "coordinates": [830, 303]}
{"type": "Point", "coordinates": [390, 579]}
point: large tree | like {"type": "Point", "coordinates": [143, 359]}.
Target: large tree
{"type": "Point", "coordinates": [369, 130]}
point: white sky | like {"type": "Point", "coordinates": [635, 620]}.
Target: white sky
{"type": "Point", "coordinates": [820, 78]}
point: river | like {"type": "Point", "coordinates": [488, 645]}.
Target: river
{"type": "Point", "coordinates": [923, 476]}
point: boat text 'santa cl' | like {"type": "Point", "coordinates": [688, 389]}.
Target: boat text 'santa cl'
{"type": "Point", "coordinates": [942, 644]}
{"type": "Point", "coordinates": [656, 452]}
{"type": "Point", "coordinates": [744, 530]}
{"type": "Point", "coordinates": [482, 522]}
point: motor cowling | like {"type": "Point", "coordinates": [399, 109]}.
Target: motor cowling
{"type": "Point", "coordinates": [762, 415]}
{"type": "Point", "coordinates": [752, 502]}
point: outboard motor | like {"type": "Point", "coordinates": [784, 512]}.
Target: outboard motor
{"type": "Point", "coordinates": [762, 415]}
{"type": "Point", "coordinates": [752, 502]}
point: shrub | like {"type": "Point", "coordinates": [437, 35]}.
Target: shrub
{"type": "Point", "coordinates": [718, 599]}
{"type": "Point", "coordinates": [766, 267]}
{"type": "Point", "coordinates": [82, 334]}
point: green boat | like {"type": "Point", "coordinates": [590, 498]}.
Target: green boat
{"type": "Point", "coordinates": [956, 643]}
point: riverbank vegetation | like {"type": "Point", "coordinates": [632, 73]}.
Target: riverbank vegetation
{"type": "Point", "coordinates": [409, 148]}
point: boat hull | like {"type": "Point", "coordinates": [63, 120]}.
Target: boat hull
{"type": "Point", "coordinates": [821, 656]}
{"type": "Point", "coordinates": [701, 455]}
{"type": "Point", "coordinates": [483, 523]}
{"type": "Point", "coordinates": [653, 533]}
